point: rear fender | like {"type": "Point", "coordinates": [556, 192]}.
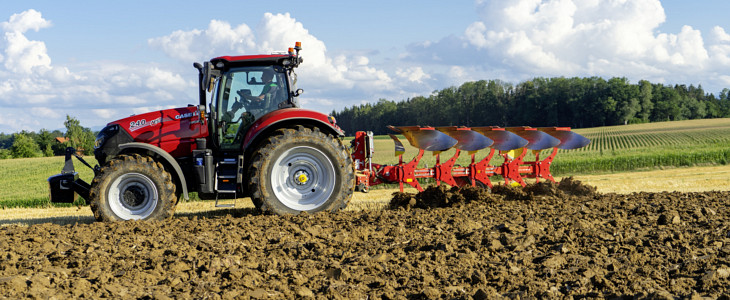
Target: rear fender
{"type": "Point", "coordinates": [169, 161]}
{"type": "Point", "coordinates": [289, 117]}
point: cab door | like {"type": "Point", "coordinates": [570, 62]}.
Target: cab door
{"type": "Point", "coordinates": [238, 103]}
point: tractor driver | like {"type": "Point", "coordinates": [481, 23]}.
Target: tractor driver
{"type": "Point", "coordinates": [270, 88]}
{"type": "Point", "coordinates": [253, 106]}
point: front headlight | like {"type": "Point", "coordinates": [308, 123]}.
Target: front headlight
{"type": "Point", "coordinates": [99, 141]}
{"type": "Point", "coordinates": [104, 134]}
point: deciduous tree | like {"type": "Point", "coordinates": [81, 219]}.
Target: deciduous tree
{"type": "Point", "coordinates": [78, 137]}
{"type": "Point", "coordinates": [24, 146]}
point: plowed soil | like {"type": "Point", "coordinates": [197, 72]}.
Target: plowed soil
{"type": "Point", "coordinates": [551, 241]}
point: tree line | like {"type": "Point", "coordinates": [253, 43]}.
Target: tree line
{"type": "Point", "coordinates": [573, 102]}
{"type": "Point", "coordinates": [44, 143]}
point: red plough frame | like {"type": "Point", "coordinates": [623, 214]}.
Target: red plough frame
{"type": "Point", "coordinates": [512, 144]}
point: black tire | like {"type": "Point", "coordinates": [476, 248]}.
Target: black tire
{"type": "Point", "coordinates": [133, 187]}
{"type": "Point", "coordinates": [301, 169]}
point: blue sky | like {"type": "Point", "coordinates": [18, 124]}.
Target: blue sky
{"type": "Point", "coordinates": [99, 61]}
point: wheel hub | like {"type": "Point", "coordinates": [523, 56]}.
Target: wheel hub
{"type": "Point", "coordinates": [134, 196]}
{"type": "Point", "coordinates": [301, 177]}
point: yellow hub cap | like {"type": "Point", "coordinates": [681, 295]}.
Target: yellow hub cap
{"type": "Point", "coordinates": [302, 178]}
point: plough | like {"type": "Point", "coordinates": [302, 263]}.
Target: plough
{"type": "Point", "coordinates": [512, 143]}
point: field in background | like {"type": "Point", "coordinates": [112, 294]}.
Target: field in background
{"type": "Point", "coordinates": [23, 181]}
{"type": "Point", "coordinates": [647, 146]}
{"type": "Point", "coordinates": [613, 149]}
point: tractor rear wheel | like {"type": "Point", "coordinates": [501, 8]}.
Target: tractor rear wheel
{"type": "Point", "coordinates": [133, 187]}
{"type": "Point", "coordinates": [299, 170]}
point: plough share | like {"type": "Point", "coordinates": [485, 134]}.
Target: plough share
{"type": "Point", "coordinates": [512, 143]}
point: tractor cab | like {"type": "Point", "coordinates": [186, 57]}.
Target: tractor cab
{"type": "Point", "coordinates": [243, 95]}
{"type": "Point", "coordinates": [244, 89]}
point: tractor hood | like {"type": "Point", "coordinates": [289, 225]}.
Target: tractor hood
{"type": "Point", "coordinates": [174, 130]}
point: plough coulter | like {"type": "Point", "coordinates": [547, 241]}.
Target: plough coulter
{"type": "Point", "coordinates": [512, 143]}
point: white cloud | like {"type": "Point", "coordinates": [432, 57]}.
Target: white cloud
{"type": "Point", "coordinates": [557, 36]}
{"type": "Point", "coordinates": [27, 20]}
{"type": "Point", "coordinates": [522, 39]}
{"type": "Point", "coordinates": [320, 71]}
{"type": "Point", "coordinates": [13, 120]}
{"type": "Point", "coordinates": [720, 51]}
{"type": "Point", "coordinates": [412, 74]}
{"type": "Point", "coordinates": [324, 75]}
{"type": "Point", "coordinates": [218, 39]}
{"type": "Point", "coordinates": [458, 73]}
{"type": "Point", "coordinates": [24, 56]}
{"type": "Point", "coordinates": [161, 79]}
{"type": "Point", "coordinates": [103, 113]}
{"type": "Point", "coordinates": [720, 34]}
{"type": "Point", "coordinates": [46, 113]}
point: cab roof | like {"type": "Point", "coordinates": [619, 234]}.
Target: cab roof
{"type": "Point", "coordinates": [258, 59]}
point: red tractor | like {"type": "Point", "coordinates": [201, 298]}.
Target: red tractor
{"type": "Point", "coordinates": [251, 140]}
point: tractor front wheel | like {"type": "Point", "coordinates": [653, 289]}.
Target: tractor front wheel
{"type": "Point", "coordinates": [133, 187]}
{"type": "Point", "coordinates": [299, 170]}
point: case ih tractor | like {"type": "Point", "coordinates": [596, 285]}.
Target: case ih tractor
{"type": "Point", "coordinates": [253, 140]}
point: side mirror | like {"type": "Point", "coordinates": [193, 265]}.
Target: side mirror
{"type": "Point", "coordinates": [198, 66]}
{"type": "Point", "coordinates": [209, 76]}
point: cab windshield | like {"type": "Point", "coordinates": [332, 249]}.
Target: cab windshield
{"type": "Point", "coordinates": [244, 95]}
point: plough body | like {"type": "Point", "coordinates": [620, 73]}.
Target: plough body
{"type": "Point", "coordinates": [512, 143]}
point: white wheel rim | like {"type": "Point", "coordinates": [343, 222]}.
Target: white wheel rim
{"type": "Point", "coordinates": [133, 196]}
{"type": "Point", "coordinates": [303, 178]}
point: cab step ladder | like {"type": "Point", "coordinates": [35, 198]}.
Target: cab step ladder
{"type": "Point", "coordinates": [227, 176]}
